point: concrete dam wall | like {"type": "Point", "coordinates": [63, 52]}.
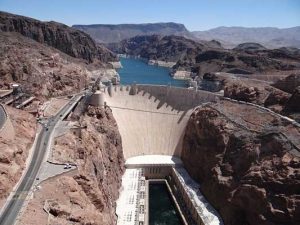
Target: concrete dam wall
{"type": "Point", "coordinates": [152, 119]}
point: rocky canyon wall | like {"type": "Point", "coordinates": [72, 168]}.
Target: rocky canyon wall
{"type": "Point", "coordinates": [88, 194]}
{"type": "Point", "coordinates": [247, 162]}
{"type": "Point", "coordinates": [66, 39]}
{"type": "Point", "coordinates": [14, 151]}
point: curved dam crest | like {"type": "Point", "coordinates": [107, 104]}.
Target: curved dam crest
{"type": "Point", "coordinates": [152, 119]}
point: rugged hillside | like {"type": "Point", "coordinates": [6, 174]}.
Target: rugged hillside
{"type": "Point", "coordinates": [115, 33]}
{"type": "Point", "coordinates": [270, 37]}
{"type": "Point", "coordinates": [248, 165]}
{"type": "Point", "coordinates": [203, 57]}
{"type": "Point", "coordinates": [66, 39]}
{"type": "Point", "coordinates": [230, 37]}
{"type": "Point", "coordinates": [281, 97]}
{"type": "Point", "coordinates": [41, 70]}
{"type": "Point", "coordinates": [88, 195]}
{"type": "Point", "coordinates": [289, 83]}
{"type": "Point", "coordinates": [164, 48]}
{"type": "Point", "coordinates": [14, 152]}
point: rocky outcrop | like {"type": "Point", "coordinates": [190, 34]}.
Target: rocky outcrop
{"type": "Point", "coordinates": [285, 53]}
{"type": "Point", "coordinates": [276, 100]}
{"type": "Point", "coordinates": [250, 90]}
{"type": "Point", "coordinates": [250, 47]}
{"type": "Point", "coordinates": [14, 152]}
{"type": "Point", "coordinates": [66, 39]}
{"type": "Point", "coordinates": [289, 83]}
{"type": "Point", "coordinates": [41, 70]}
{"type": "Point", "coordinates": [243, 89]}
{"type": "Point", "coordinates": [215, 55]}
{"type": "Point", "coordinates": [247, 163]}
{"type": "Point", "coordinates": [293, 104]}
{"type": "Point", "coordinates": [242, 92]}
{"type": "Point", "coordinates": [89, 195]}
{"type": "Point", "coordinates": [156, 47]}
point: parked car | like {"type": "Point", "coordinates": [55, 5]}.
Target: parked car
{"type": "Point", "coordinates": [67, 166]}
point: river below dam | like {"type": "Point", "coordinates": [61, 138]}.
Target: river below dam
{"type": "Point", "coordinates": [162, 210]}
{"type": "Point", "coordinates": [135, 70]}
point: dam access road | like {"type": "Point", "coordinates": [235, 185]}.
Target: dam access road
{"type": "Point", "coordinates": [15, 202]}
{"type": "Point", "coordinates": [2, 116]}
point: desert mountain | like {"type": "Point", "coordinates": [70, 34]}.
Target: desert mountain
{"type": "Point", "coordinates": [66, 39]}
{"type": "Point", "coordinates": [114, 33]}
{"type": "Point", "coordinates": [47, 58]}
{"type": "Point", "coordinates": [209, 56]}
{"type": "Point", "coordinates": [40, 69]}
{"type": "Point", "coordinates": [270, 37]}
{"type": "Point", "coordinates": [230, 37]}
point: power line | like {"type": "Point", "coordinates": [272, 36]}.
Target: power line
{"type": "Point", "coordinates": [141, 110]}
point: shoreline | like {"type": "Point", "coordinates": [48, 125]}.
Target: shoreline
{"type": "Point", "coordinates": [175, 74]}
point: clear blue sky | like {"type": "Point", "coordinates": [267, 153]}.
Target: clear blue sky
{"type": "Point", "coordinates": [196, 15]}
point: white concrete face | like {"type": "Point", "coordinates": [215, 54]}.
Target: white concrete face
{"type": "Point", "coordinates": [145, 129]}
{"type": "Point", "coordinates": [153, 121]}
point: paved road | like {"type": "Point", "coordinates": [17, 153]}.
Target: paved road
{"type": "Point", "coordinates": [2, 116]}
{"type": "Point", "coordinates": [13, 207]}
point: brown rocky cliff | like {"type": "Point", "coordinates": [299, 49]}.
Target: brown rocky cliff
{"type": "Point", "coordinates": [40, 69]}
{"type": "Point", "coordinates": [293, 104]}
{"type": "Point", "coordinates": [256, 91]}
{"type": "Point", "coordinates": [89, 196]}
{"type": "Point", "coordinates": [66, 39]}
{"type": "Point", "coordinates": [100, 174]}
{"type": "Point", "coordinates": [244, 161]}
{"type": "Point", "coordinates": [13, 153]}
{"type": "Point", "coordinates": [242, 92]}
{"type": "Point", "coordinates": [289, 83]}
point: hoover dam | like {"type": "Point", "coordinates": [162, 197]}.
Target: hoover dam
{"type": "Point", "coordinates": [152, 122]}
{"type": "Point", "coordinates": [152, 119]}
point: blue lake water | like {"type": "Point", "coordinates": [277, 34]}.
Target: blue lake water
{"type": "Point", "coordinates": [137, 71]}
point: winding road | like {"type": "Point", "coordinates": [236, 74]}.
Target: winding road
{"type": "Point", "coordinates": [2, 116]}
{"type": "Point", "coordinates": [13, 206]}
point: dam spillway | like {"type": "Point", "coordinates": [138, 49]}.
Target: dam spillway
{"type": "Point", "coordinates": [152, 119]}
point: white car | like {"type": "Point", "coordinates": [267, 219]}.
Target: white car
{"type": "Point", "coordinates": [67, 166]}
